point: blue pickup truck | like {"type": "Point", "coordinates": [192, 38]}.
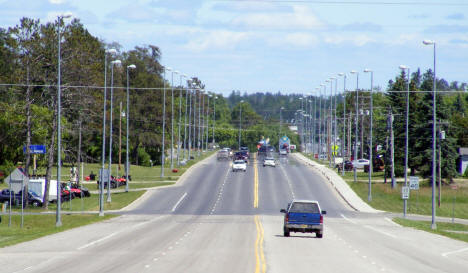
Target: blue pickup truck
{"type": "Point", "coordinates": [303, 216]}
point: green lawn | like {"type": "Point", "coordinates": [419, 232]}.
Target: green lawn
{"type": "Point", "coordinates": [36, 226]}
{"type": "Point", "coordinates": [454, 231]}
{"type": "Point", "coordinates": [420, 202]}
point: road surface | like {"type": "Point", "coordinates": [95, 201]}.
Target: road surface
{"type": "Point", "coordinates": [220, 221]}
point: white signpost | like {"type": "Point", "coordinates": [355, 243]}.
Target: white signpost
{"type": "Point", "coordinates": [405, 192]}
{"type": "Point", "coordinates": [414, 182]}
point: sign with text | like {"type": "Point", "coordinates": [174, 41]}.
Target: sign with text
{"type": "Point", "coordinates": [405, 192]}
{"type": "Point", "coordinates": [35, 149]}
{"type": "Point", "coordinates": [414, 182]}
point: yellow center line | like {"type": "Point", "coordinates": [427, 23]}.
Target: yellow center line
{"type": "Point", "coordinates": [255, 182]}
{"type": "Point", "coordinates": [260, 265]}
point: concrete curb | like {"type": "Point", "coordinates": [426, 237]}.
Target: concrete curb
{"type": "Point", "coordinates": [341, 187]}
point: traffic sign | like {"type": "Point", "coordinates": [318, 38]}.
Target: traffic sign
{"type": "Point", "coordinates": [414, 182]}
{"type": "Point", "coordinates": [405, 192]}
{"type": "Point", "coordinates": [35, 149]}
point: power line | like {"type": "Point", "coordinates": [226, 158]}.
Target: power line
{"type": "Point", "coordinates": [370, 3]}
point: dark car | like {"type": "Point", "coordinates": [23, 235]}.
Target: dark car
{"type": "Point", "coordinates": [32, 198]}
{"type": "Point", "coordinates": [241, 156]}
{"type": "Point", "coordinates": [348, 166]}
{"type": "Point", "coordinates": [245, 150]}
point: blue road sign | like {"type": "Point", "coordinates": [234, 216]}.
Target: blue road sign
{"type": "Point", "coordinates": [35, 149]}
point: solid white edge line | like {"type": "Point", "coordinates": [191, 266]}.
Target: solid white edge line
{"type": "Point", "coordinates": [380, 231]}
{"type": "Point", "coordinates": [454, 252]}
{"type": "Point", "coordinates": [178, 202]}
{"type": "Point", "coordinates": [97, 241]}
{"type": "Point", "coordinates": [347, 219]}
{"type": "Point", "coordinates": [391, 221]}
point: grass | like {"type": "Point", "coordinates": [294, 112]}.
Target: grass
{"type": "Point", "coordinates": [453, 202]}
{"type": "Point", "coordinates": [451, 230]}
{"type": "Point", "coordinates": [36, 226]}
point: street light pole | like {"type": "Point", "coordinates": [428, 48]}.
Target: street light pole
{"type": "Point", "coordinates": [103, 149]}
{"type": "Point", "coordinates": [214, 118]}
{"type": "Point", "coordinates": [180, 120]}
{"type": "Point", "coordinates": [185, 121]}
{"type": "Point", "coordinates": [172, 118]}
{"type": "Point", "coordinates": [371, 148]}
{"type": "Point", "coordinates": [58, 221]}
{"type": "Point", "coordinates": [356, 124]}
{"type": "Point", "coordinates": [207, 119]}
{"type": "Point", "coordinates": [240, 122]}
{"type": "Point", "coordinates": [116, 62]}
{"type": "Point", "coordinates": [320, 123]}
{"type": "Point", "coordinates": [344, 124]}
{"type": "Point", "coordinates": [163, 154]}
{"type": "Point", "coordinates": [434, 139]}
{"type": "Point", "coordinates": [329, 126]}
{"type": "Point", "coordinates": [189, 86]}
{"type": "Point", "coordinates": [127, 165]}
{"type": "Point", "coordinates": [199, 120]}
{"type": "Point", "coordinates": [403, 67]}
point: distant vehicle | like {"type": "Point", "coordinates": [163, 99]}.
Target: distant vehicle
{"type": "Point", "coordinates": [283, 152]}
{"type": "Point", "coordinates": [378, 164]}
{"type": "Point", "coordinates": [323, 156]}
{"type": "Point", "coordinates": [239, 165]}
{"type": "Point", "coordinates": [222, 155]}
{"type": "Point", "coordinates": [360, 163]}
{"type": "Point", "coordinates": [241, 156]}
{"type": "Point", "coordinates": [245, 150]}
{"type": "Point", "coordinates": [269, 161]}
{"type": "Point", "coordinates": [32, 198]}
{"type": "Point", "coordinates": [283, 145]}
{"type": "Point", "coordinates": [115, 182]}
{"type": "Point", "coordinates": [303, 216]}
{"type": "Point", "coordinates": [348, 166]}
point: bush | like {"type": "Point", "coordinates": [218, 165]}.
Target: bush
{"type": "Point", "coordinates": [144, 158]}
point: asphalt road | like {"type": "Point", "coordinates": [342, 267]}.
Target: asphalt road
{"type": "Point", "coordinates": [220, 221]}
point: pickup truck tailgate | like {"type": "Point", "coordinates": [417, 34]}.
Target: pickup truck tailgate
{"type": "Point", "coordinates": [304, 218]}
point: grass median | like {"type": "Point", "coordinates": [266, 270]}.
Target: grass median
{"type": "Point", "coordinates": [451, 230]}
{"type": "Point", "coordinates": [36, 226]}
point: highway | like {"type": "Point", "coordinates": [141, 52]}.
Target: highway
{"type": "Point", "coordinates": [219, 221]}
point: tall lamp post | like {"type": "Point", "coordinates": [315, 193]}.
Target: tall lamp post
{"type": "Point", "coordinates": [214, 118]}
{"type": "Point", "coordinates": [103, 150]}
{"type": "Point", "coordinates": [185, 121]}
{"type": "Point", "coordinates": [58, 222]}
{"type": "Point", "coordinates": [320, 123]}
{"type": "Point", "coordinates": [127, 165]}
{"type": "Point", "coordinates": [356, 123]}
{"type": "Point", "coordinates": [240, 121]}
{"type": "Point", "coordinates": [172, 118]}
{"type": "Point", "coordinates": [344, 123]}
{"type": "Point", "coordinates": [163, 156]}
{"type": "Point", "coordinates": [189, 91]}
{"type": "Point", "coordinates": [116, 62]}
{"type": "Point", "coordinates": [180, 119]}
{"type": "Point", "coordinates": [407, 69]}
{"type": "Point", "coordinates": [433, 43]}
{"type": "Point", "coordinates": [371, 148]}
{"type": "Point", "coordinates": [207, 118]}
{"type": "Point", "coordinates": [329, 126]}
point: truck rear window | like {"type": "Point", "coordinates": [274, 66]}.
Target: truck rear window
{"type": "Point", "coordinates": [304, 208]}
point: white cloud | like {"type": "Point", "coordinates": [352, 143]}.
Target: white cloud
{"type": "Point", "coordinates": [357, 40]}
{"type": "Point", "coordinates": [296, 39]}
{"type": "Point", "coordinates": [217, 39]}
{"type": "Point", "coordinates": [300, 17]}
{"type": "Point", "coordinates": [56, 2]}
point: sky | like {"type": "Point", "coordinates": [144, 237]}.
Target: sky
{"type": "Point", "coordinates": [270, 46]}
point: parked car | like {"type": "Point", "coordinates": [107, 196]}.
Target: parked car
{"type": "Point", "coordinates": [348, 166]}
{"type": "Point", "coordinates": [303, 216]}
{"type": "Point", "coordinates": [360, 163]}
{"type": "Point", "coordinates": [239, 165]}
{"type": "Point", "coordinates": [269, 161]}
{"type": "Point", "coordinates": [115, 182]}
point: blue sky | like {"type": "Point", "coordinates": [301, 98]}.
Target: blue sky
{"type": "Point", "coordinates": [287, 46]}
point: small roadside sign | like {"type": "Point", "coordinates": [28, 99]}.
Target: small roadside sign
{"type": "Point", "coordinates": [405, 193]}
{"type": "Point", "coordinates": [35, 149]}
{"type": "Point", "coordinates": [414, 182]}
{"type": "Point", "coordinates": [292, 147]}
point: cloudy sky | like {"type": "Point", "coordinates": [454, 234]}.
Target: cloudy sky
{"type": "Point", "coordinates": [287, 46]}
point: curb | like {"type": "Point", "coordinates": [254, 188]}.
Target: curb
{"type": "Point", "coordinates": [364, 207]}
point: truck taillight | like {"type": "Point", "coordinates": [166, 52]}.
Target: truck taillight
{"type": "Point", "coordinates": [286, 217]}
{"type": "Point", "coordinates": [321, 219]}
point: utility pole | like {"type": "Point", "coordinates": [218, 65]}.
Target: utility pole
{"type": "Point", "coordinates": [392, 151]}
{"type": "Point", "coordinates": [120, 137]}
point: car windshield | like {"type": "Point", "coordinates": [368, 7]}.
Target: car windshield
{"type": "Point", "coordinates": [239, 162]}
{"type": "Point", "coordinates": [304, 207]}
{"type": "Point", "coordinates": [269, 158]}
